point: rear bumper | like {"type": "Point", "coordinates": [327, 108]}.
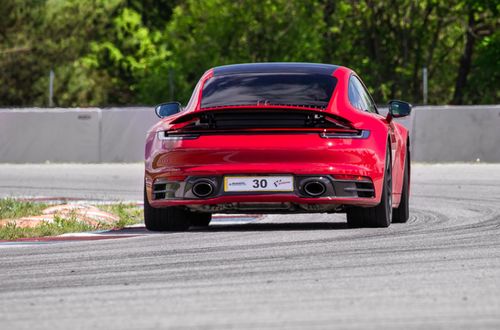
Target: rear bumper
{"type": "Point", "coordinates": [352, 186]}
{"type": "Point", "coordinates": [268, 204]}
{"type": "Point", "coordinates": [358, 190]}
{"type": "Point", "coordinates": [262, 198]}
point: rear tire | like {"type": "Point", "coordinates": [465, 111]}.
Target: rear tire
{"type": "Point", "coordinates": [171, 218]}
{"type": "Point", "coordinates": [401, 214]}
{"type": "Point", "coordinates": [380, 215]}
{"type": "Point", "coordinates": [200, 219]}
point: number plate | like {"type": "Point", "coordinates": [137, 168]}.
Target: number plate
{"type": "Point", "coordinates": [258, 183]}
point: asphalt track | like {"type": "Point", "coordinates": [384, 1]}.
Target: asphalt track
{"type": "Point", "coordinates": [440, 270]}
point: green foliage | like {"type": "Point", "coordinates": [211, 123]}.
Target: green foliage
{"type": "Point", "coordinates": [203, 34]}
{"type": "Point", "coordinates": [131, 51]}
{"type": "Point", "coordinates": [20, 19]}
{"type": "Point", "coordinates": [485, 81]}
{"type": "Point", "coordinates": [122, 52]}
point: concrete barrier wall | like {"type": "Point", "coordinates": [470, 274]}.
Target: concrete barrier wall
{"type": "Point", "coordinates": [56, 135]}
{"type": "Point", "coordinates": [74, 135]}
{"type": "Point", "coordinates": [457, 134]}
{"type": "Point", "coordinates": [124, 133]}
{"type": "Point", "coordinates": [91, 135]}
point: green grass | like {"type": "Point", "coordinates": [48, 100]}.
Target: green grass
{"type": "Point", "coordinates": [14, 209]}
{"type": "Point", "coordinates": [128, 214]}
{"type": "Point", "coordinates": [58, 227]}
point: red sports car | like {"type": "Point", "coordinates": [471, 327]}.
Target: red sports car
{"type": "Point", "coordinates": [277, 138]}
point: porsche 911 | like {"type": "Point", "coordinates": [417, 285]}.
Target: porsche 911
{"type": "Point", "coordinates": [277, 138]}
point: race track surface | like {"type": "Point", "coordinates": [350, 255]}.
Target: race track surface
{"type": "Point", "coordinates": [440, 270]}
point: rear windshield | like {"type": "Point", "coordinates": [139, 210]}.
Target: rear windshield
{"type": "Point", "coordinates": [311, 90]}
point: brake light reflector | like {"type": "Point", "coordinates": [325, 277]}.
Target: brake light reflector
{"type": "Point", "coordinates": [168, 136]}
{"type": "Point", "coordinates": [349, 177]}
{"type": "Point", "coordinates": [348, 134]}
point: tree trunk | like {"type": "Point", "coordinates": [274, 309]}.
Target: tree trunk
{"type": "Point", "coordinates": [465, 61]}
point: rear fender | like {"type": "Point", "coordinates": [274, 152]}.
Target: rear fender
{"type": "Point", "coordinates": [401, 157]}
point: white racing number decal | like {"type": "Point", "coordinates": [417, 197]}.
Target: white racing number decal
{"type": "Point", "coordinates": [258, 183]}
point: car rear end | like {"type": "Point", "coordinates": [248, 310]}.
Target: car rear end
{"type": "Point", "coordinates": [264, 142]}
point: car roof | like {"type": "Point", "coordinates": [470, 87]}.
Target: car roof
{"type": "Point", "coordinates": [275, 67]}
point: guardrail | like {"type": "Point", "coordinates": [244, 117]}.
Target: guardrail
{"type": "Point", "coordinates": [93, 135]}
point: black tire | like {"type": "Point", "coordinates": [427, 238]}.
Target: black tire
{"type": "Point", "coordinates": [380, 215]}
{"type": "Point", "coordinates": [401, 214]}
{"type": "Point", "coordinates": [200, 219]}
{"type": "Point", "coordinates": [170, 218]}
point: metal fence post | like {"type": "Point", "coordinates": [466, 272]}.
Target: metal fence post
{"type": "Point", "coordinates": [424, 83]}
{"type": "Point", "coordinates": [51, 88]}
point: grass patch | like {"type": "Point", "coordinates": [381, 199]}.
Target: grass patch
{"type": "Point", "coordinates": [11, 208]}
{"type": "Point", "coordinates": [128, 214]}
{"type": "Point", "coordinates": [60, 226]}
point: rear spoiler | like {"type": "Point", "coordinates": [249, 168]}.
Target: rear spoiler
{"type": "Point", "coordinates": [255, 118]}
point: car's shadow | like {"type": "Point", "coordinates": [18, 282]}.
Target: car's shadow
{"type": "Point", "coordinates": [244, 227]}
{"type": "Point", "coordinates": [285, 226]}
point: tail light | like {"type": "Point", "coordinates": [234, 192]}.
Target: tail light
{"type": "Point", "coordinates": [351, 177]}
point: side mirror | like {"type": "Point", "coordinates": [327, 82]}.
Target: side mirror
{"type": "Point", "coordinates": [399, 109]}
{"type": "Point", "coordinates": [167, 109]}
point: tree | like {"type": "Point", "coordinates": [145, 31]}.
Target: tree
{"type": "Point", "coordinates": [124, 52]}
{"type": "Point", "coordinates": [18, 65]}
{"type": "Point", "coordinates": [482, 19]}
{"type": "Point", "coordinates": [203, 34]}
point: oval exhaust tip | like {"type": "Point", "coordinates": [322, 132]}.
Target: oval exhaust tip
{"type": "Point", "coordinates": [203, 189]}
{"type": "Point", "coordinates": [315, 188]}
